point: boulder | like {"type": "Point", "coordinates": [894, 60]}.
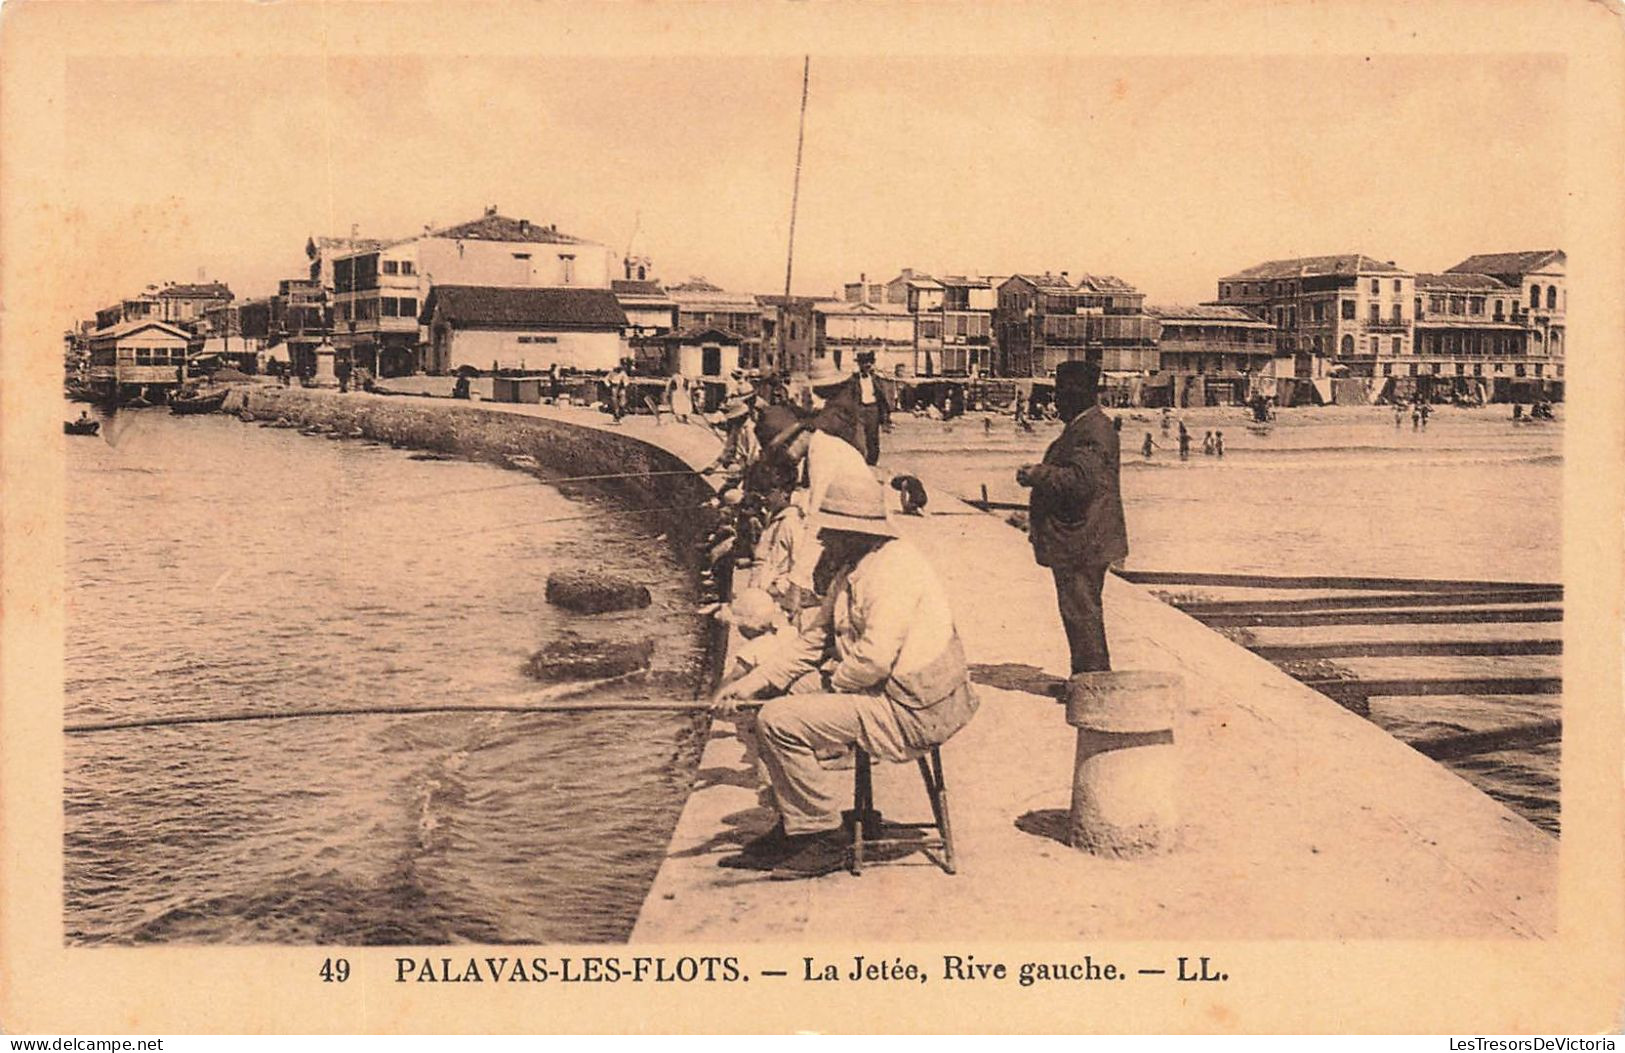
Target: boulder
{"type": "Point", "coordinates": [592, 592]}
{"type": "Point", "coordinates": [572, 658]}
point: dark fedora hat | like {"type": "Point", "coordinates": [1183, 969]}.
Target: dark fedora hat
{"type": "Point", "coordinates": [1077, 376]}
{"type": "Point", "coordinates": [778, 425]}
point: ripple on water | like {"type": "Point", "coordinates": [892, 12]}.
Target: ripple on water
{"type": "Point", "coordinates": [245, 568]}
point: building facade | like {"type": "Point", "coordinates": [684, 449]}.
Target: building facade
{"type": "Point", "coordinates": [1208, 355]}
{"type": "Point", "coordinates": [1045, 319]}
{"type": "Point", "coordinates": [379, 290]}
{"type": "Point", "coordinates": [186, 304]}
{"type": "Point", "coordinates": [1350, 310]}
{"type": "Point", "coordinates": [504, 327]}
{"type": "Point", "coordinates": [787, 334]}
{"type": "Point", "coordinates": [702, 305]}
{"type": "Point", "coordinates": [841, 329]}
{"type": "Point", "coordinates": [1540, 306]}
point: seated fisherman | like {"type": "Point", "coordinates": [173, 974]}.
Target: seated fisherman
{"type": "Point", "coordinates": [888, 670]}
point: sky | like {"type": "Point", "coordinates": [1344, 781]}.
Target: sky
{"type": "Point", "coordinates": [1168, 172]}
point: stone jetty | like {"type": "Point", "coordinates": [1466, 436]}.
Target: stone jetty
{"type": "Point", "coordinates": [1298, 819]}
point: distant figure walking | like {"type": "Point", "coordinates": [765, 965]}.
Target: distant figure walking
{"type": "Point", "coordinates": [1167, 419]}
{"type": "Point", "coordinates": [1207, 444]}
{"type": "Point", "coordinates": [874, 404]}
{"type": "Point", "coordinates": [1416, 415]}
{"type": "Point", "coordinates": [555, 383]}
{"type": "Point", "coordinates": [1517, 412]}
{"type": "Point", "coordinates": [682, 398]}
{"type": "Point", "coordinates": [1076, 512]}
{"type": "Point", "coordinates": [1427, 411]}
{"type": "Point", "coordinates": [1218, 443]}
{"type": "Point", "coordinates": [1184, 442]}
{"type": "Point", "coordinates": [617, 392]}
{"type": "Point", "coordinates": [1399, 413]}
{"type": "Point", "coordinates": [1147, 446]}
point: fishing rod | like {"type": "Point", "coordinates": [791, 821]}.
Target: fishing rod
{"type": "Point", "coordinates": [530, 482]}
{"type": "Point", "coordinates": [564, 702]}
{"type": "Point", "coordinates": [571, 518]}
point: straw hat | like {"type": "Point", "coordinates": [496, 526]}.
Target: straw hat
{"type": "Point", "coordinates": [823, 371]}
{"type": "Point", "coordinates": [857, 504]}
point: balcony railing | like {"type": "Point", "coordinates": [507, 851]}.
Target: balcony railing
{"type": "Point", "coordinates": [1387, 323]}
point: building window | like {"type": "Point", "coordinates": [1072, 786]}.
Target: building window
{"type": "Point", "coordinates": [1539, 368]}
{"type": "Point", "coordinates": [1399, 313]}
{"type": "Point", "coordinates": [407, 267]}
{"type": "Point", "coordinates": [1500, 309]}
{"type": "Point", "coordinates": [1224, 292]}
{"type": "Point", "coordinates": [1417, 307]}
{"type": "Point", "coordinates": [1387, 369]}
{"type": "Point", "coordinates": [1398, 345]}
{"type": "Point", "coordinates": [392, 267]}
{"type": "Point", "coordinates": [1457, 305]}
{"type": "Point", "coordinates": [1436, 368]}
{"type": "Point", "coordinates": [1376, 311]}
{"type": "Point", "coordinates": [1413, 369]}
{"type": "Point", "coordinates": [521, 255]}
{"type": "Point", "coordinates": [1475, 305]}
{"type": "Point", "coordinates": [1348, 344]}
{"type": "Point", "coordinates": [1398, 287]}
{"type": "Point", "coordinates": [1348, 310]}
{"type": "Point", "coordinates": [1551, 297]}
{"type": "Point", "coordinates": [409, 306]}
{"type": "Point", "coordinates": [1319, 310]}
{"type": "Point", "coordinates": [569, 268]}
{"type": "Point", "coordinates": [1478, 369]}
{"type": "Point", "coordinates": [1534, 296]}
{"type": "Point", "coordinates": [1376, 287]}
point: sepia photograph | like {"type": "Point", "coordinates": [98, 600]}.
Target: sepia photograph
{"type": "Point", "coordinates": [846, 497]}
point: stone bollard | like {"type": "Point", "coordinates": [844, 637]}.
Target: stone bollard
{"type": "Point", "coordinates": [1126, 776]}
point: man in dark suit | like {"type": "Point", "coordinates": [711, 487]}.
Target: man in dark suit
{"type": "Point", "coordinates": [1076, 517]}
{"type": "Point", "coordinates": [867, 392]}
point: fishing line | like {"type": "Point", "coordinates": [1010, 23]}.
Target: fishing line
{"type": "Point", "coordinates": [566, 519]}
{"type": "Point", "coordinates": [564, 702]}
{"type": "Point", "coordinates": [529, 482]}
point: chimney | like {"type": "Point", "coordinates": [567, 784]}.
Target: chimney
{"type": "Point", "coordinates": [490, 210]}
{"type": "Point", "coordinates": [524, 227]}
{"type": "Point", "coordinates": [1064, 277]}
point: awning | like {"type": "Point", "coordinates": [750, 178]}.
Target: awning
{"type": "Point", "coordinates": [277, 352]}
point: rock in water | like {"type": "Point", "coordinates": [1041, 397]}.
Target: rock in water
{"type": "Point", "coordinates": [591, 592]}
{"type": "Point", "coordinates": [576, 659]}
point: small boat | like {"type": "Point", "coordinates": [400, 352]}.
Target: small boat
{"type": "Point", "coordinates": [82, 426]}
{"type": "Point", "coordinates": [179, 403]}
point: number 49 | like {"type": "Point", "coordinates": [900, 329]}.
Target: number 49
{"type": "Point", "coordinates": [335, 970]}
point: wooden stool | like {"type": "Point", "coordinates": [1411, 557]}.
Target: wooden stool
{"type": "Point", "coordinates": [869, 829]}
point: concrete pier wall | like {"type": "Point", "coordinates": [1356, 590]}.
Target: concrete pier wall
{"type": "Point", "coordinates": [559, 448]}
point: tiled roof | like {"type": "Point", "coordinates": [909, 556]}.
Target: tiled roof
{"type": "Point", "coordinates": [480, 305]}
{"type": "Point", "coordinates": [208, 290]}
{"type": "Point", "coordinates": [1462, 282]}
{"type": "Point", "coordinates": [1105, 283]}
{"type": "Point", "coordinates": [959, 281]}
{"type": "Point", "coordinates": [1509, 262]}
{"type": "Point", "coordinates": [503, 228]}
{"type": "Point", "coordinates": [633, 287]}
{"type": "Point", "coordinates": [1207, 313]}
{"type": "Point", "coordinates": [1045, 281]}
{"type": "Point", "coordinates": [134, 324]}
{"type": "Point", "coordinates": [1313, 266]}
{"type": "Point", "coordinates": [696, 333]}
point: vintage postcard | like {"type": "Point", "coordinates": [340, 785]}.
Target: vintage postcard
{"type": "Point", "coordinates": [746, 517]}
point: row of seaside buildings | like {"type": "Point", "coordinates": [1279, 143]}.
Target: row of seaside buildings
{"type": "Point", "coordinates": [498, 293]}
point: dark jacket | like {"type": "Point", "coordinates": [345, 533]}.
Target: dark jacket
{"type": "Point", "coordinates": [1077, 507]}
{"type": "Point", "coordinates": [884, 402]}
